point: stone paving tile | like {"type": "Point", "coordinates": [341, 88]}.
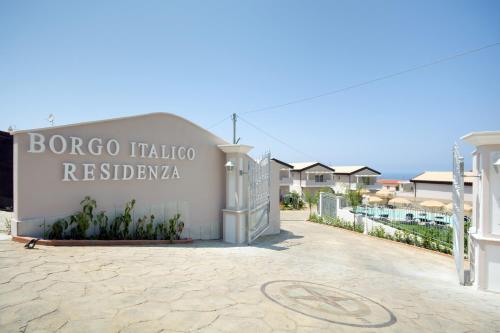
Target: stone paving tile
{"type": "Point", "coordinates": [334, 281]}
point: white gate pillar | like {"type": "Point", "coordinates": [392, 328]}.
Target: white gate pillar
{"type": "Point", "coordinates": [485, 232]}
{"type": "Point", "coordinates": [234, 216]}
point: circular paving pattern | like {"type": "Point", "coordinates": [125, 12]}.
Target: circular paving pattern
{"type": "Point", "coordinates": [328, 303]}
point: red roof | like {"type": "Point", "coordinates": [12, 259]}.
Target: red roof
{"type": "Point", "coordinates": [388, 181]}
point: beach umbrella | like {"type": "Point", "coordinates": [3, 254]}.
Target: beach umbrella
{"type": "Point", "coordinates": [364, 191]}
{"type": "Point", "coordinates": [374, 200]}
{"type": "Point", "coordinates": [400, 201]}
{"type": "Point", "coordinates": [432, 204]}
{"type": "Point", "coordinates": [384, 194]}
{"type": "Point", "coordinates": [467, 207]}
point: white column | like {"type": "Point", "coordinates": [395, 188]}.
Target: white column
{"type": "Point", "coordinates": [485, 237]}
{"type": "Point", "coordinates": [235, 214]}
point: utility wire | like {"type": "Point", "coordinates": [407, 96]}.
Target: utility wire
{"type": "Point", "coordinates": [364, 83]}
{"type": "Point", "coordinates": [380, 78]}
{"type": "Point", "coordinates": [275, 138]}
{"type": "Point", "coordinates": [218, 123]}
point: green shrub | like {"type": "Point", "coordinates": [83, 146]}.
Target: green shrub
{"type": "Point", "coordinates": [120, 227]}
{"type": "Point", "coordinates": [315, 218]}
{"type": "Point", "coordinates": [378, 231]}
{"type": "Point", "coordinates": [101, 222]}
{"type": "Point", "coordinates": [144, 228]}
{"type": "Point", "coordinates": [336, 222]}
{"type": "Point", "coordinates": [57, 229]}
{"type": "Point", "coordinates": [171, 229]}
{"type": "Point", "coordinates": [293, 200]}
{"type": "Point", "coordinates": [77, 225]}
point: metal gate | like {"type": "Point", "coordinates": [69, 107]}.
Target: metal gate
{"type": "Point", "coordinates": [458, 212]}
{"type": "Point", "coordinates": [327, 204]}
{"type": "Point", "coordinates": [259, 195]}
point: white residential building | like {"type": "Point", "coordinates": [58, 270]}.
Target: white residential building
{"type": "Point", "coordinates": [438, 185]}
{"type": "Point", "coordinates": [355, 176]}
{"type": "Point", "coordinates": [311, 176]}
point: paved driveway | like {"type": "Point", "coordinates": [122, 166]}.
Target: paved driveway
{"type": "Point", "coordinates": [311, 278]}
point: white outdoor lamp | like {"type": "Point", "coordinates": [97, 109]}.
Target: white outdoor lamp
{"type": "Point", "coordinates": [229, 166]}
{"type": "Point", "coordinates": [496, 165]}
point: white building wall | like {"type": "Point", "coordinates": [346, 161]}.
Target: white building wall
{"type": "Point", "coordinates": [440, 191]}
{"type": "Point", "coordinates": [341, 183]}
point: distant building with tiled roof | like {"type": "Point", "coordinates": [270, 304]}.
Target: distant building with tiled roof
{"type": "Point", "coordinates": [438, 185]}
{"type": "Point", "coordinates": [396, 185]}
{"type": "Point", "coordinates": [311, 176]}
{"type": "Point", "coordinates": [350, 177]}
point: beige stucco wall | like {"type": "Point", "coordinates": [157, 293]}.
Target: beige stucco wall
{"type": "Point", "coordinates": [199, 193]}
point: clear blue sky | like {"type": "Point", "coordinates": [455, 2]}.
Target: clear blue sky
{"type": "Point", "coordinates": [204, 60]}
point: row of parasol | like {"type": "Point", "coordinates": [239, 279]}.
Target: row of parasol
{"type": "Point", "coordinates": [384, 196]}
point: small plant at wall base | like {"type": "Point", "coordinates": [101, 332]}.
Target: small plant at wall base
{"type": "Point", "coordinates": [172, 229]}
{"type": "Point", "coordinates": [144, 228]}
{"type": "Point", "coordinates": [77, 225]}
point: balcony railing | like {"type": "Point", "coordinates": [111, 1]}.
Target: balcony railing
{"type": "Point", "coordinates": [286, 181]}
{"type": "Point", "coordinates": [308, 183]}
{"type": "Point", "coordinates": [371, 187]}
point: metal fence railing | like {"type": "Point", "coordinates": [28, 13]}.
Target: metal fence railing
{"type": "Point", "coordinates": [327, 204]}
{"type": "Point", "coordinates": [430, 228]}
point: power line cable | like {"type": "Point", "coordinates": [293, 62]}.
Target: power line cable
{"type": "Point", "coordinates": [380, 78]}
{"type": "Point", "coordinates": [218, 122]}
{"type": "Point", "coordinates": [275, 138]}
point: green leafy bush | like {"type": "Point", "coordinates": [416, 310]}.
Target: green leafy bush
{"type": "Point", "coordinates": [379, 232]}
{"type": "Point", "coordinates": [171, 229]}
{"type": "Point", "coordinates": [336, 222]}
{"type": "Point", "coordinates": [144, 228]}
{"type": "Point", "coordinates": [77, 225]}
{"type": "Point", "coordinates": [293, 200]}
{"type": "Point", "coordinates": [57, 229]}
{"type": "Point", "coordinates": [423, 239]}
{"type": "Point", "coordinates": [101, 222]}
{"type": "Point", "coordinates": [120, 226]}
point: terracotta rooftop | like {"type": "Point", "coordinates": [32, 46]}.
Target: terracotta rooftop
{"type": "Point", "coordinates": [388, 181]}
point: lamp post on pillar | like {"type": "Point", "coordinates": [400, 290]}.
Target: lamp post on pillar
{"type": "Point", "coordinates": [235, 212]}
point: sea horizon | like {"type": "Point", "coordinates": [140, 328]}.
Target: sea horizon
{"type": "Point", "coordinates": [399, 175]}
